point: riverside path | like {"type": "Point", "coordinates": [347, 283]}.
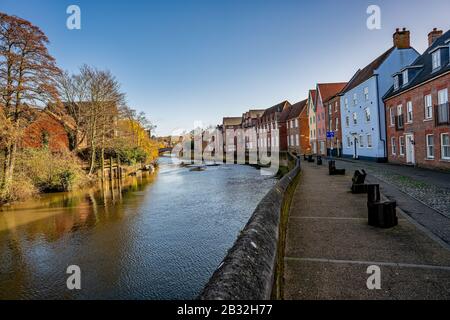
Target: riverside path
{"type": "Point", "coordinates": [330, 246]}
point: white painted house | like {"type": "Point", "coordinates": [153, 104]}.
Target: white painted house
{"type": "Point", "coordinates": [362, 108]}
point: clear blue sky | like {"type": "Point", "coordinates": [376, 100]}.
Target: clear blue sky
{"type": "Point", "coordinates": [182, 61]}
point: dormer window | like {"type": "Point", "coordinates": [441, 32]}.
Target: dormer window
{"type": "Point", "coordinates": [405, 77]}
{"type": "Point", "coordinates": [436, 59]}
{"type": "Point", "coordinates": [396, 82]}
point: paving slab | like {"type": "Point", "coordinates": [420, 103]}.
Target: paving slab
{"type": "Point", "coordinates": [329, 247]}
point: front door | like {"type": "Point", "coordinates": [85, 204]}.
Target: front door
{"type": "Point", "coordinates": [355, 148]}
{"type": "Point", "coordinates": [410, 154]}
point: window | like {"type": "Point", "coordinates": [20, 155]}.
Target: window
{"type": "Point", "coordinates": [346, 103]}
{"type": "Point", "coordinates": [347, 121]}
{"type": "Point", "coordinates": [401, 141]}
{"type": "Point", "coordinates": [396, 82]}
{"type": "Point", "coordinates": [399, 110]}
{"type": "Point", "coordinates": [330, 109]}
{"type": "Point", "coordinates": [393, 146]}
{"type": "Point", "coordinates": [445, 146]}
{"type": "Point", "coordinates": [297, 141]}
{"type": "Point", "coordinates": [367, 114]}
{"type": "Point", "coordinates": [436, 58]}
{"type": "Point", "coordinates": [366, 93]}
{"type": "Point", "coordinates": [392, 116]}
{"type": "Point", "coordinates": [405, 77]}
{"type": "Point", "coordinates": [428, 107]}
{"type": "Point", "coordinates": [296, 123]}
{"type": "Point", "coordinates": [349, 142]}
{"type": "Point", "coordinates": [336, 106]}
{"type": "Point", "coordinates": [337, 124]}
{"type": "Point", "coordinates": [361, 141]}
{"type": "Point", "coordinates": [369, 141]}
{"type": "Point", "coordinates": [355, 118]}
{"type": "Point", "coordinates": [409, 110]}
{"type": "Point", "coordinates": [355, 99]}
{"type": "Point", "coordinates": [430, 146]}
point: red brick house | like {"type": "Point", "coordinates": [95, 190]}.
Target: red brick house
{"type": "Point", "coordinates": [417, 108]}
{"type": "Point", "coordinates": [272, 129]}
{"type": "Point", "coordinates": [249, 124]}
{"type": "Point", "coordinates": [324, 92]}
{"type": "Point", "coordinates": [305, 146]}
{"type": "Point", "coordinates": [46, 129]}
{"type": "Point", "coordinates": [229, 127]}
{"type": "Point", "coordinates": [293, 134]}
{"type": "Point", "coordinates": [333, 119]}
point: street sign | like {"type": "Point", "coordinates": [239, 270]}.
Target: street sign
{"type": "Point", "coordinates": [330, 134]}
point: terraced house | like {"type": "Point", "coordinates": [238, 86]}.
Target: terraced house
{"type": "Point", "coordinates": [324, 91]}
{"type": "Point", "coordinates": [293, 127]}
{"type": "Point", "coordinates": [333, 110]}
{"type": "Point", "coordinates": [249, 123]}
{"type": "Point", "coordinates": [312, 121]}
{"type": "Point", "coordinates": [362, 107]}
{"type": "Point", "coordinates": [271, 128]}
{"type": "Point", "coordinates": [417, 108]}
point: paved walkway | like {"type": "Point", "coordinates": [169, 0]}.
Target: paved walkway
{"type": "Point", "coordinates": [330, 246]}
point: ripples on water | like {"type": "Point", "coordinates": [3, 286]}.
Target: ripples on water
{"type": "Point", "coordinates": [161, 238]}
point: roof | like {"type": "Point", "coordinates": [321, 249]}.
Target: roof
{"type": "Point", "coordinates": [330, 90]}
{"type": "Point", "coordinates": [296, 109]}
{"type": "Point", "coordinates": [285, 114]}
{"type": "Point", "coordinates": [368, 72]}
{"type": "Point", "coordinates": [256, 113]}
{"type": "Point", "coordinates": [277, 108]}
{"type": "Point", "coordinates": [425, 63]}
{"type": "Point", "coordinates": [232, 121]}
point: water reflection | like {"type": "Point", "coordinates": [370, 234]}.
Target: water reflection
{"type": "Point", "coordinates": [150, 237]}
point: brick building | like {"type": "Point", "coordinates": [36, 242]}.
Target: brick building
{"type": "Point", "coordinates": [272, 129]}
{"type": "Point", "coordinates": [46, 130]}
{"type": "Point", "coordinates": [324, 92]}
{"type": "Point", "coordinates": [249, 124]}
{"type": "Point", "coordinates": [305, 146]}
{"type": "Point", "coordinates": [417, 108]}
{"type": "Point", "coordinates": [333, 117]}
{"type": "Point", "coordinates": [293, 127]}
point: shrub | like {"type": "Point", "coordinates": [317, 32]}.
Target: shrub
{"type": "Point", "coordinates": [51, 172]}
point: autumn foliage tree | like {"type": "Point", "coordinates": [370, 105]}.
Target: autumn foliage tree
{"type": "Point", "coordinates": [27, 78]}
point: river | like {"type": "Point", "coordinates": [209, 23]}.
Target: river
{"type": "Point", "coordinates": [161, 237]}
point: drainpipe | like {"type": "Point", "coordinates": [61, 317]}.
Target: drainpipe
{"type": "Point", "coordinates": [379, 120]}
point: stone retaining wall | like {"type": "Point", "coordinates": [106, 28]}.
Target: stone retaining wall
{"type": "Point", "coordinates": [253, 267]}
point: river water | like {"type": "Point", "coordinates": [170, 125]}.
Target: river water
{"type": "Point", "coordinates": [161, 237]}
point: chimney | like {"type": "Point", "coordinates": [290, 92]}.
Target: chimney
{"type": "Point", "coordinates": [434, 35]}
{"type": "Point", "coordinates": [402, 39]}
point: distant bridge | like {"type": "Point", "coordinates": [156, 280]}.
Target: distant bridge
{"type": "Point", "coordinates": [164, 150]}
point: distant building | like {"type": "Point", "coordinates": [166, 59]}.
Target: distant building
{"type": "Point", "coordinates": [46, 130]}
{"type": "Point", "coordinates": [249, 125]}
{"type": "Point", "coordinates": [362, 108]}
{"type": "Point", "coordinates": [324, 92]}
{"type": "Point", "coordinates": [229, 126]}
{"type": "Point", "coordinates": [271, 128]}
{"type": "Point", "coordinates": [417, 108]}
{"type": "Point", "coordinates": [293, 124]}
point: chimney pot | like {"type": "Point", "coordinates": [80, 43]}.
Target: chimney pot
{"type": "Point", "coordinates": [434, 35]}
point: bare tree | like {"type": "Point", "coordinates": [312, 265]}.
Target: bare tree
{"type": "Point", "coordinates": [27, 77]}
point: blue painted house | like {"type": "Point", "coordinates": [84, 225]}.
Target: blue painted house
{"type": "Point", "coordinates": [362, 108]}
